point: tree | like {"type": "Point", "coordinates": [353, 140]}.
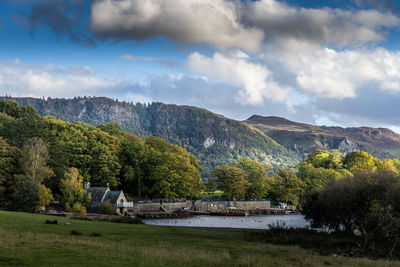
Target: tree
{"type": "Point", "coordinates": [170, 171]}
{"type": "Point", "coordinates": [74, 196]}
{"type": "Point", "coordinates": [8, 169]}
{"type": "Point", "coordinates": [316, 178]}
{"type": "Point", "coordinates": [259, 184]}
{"type": "Point", "coordinates": [133, 157]}
{"type": "Point", "coordinates": [174, 175]}
{"type": "Point", "coordinates": [232, 180]}
{"type": "Point", "coordinates": [25, 197]}
{"type": "Point", "coordinates": [112, 128]}
{"type": "Point", "coordinates": [387, 165]}
{"type": "Point", "coordinates": [103, 149]}
{"type": "Point", "coordinates": [288, 188]}
{"type": "Point", "coordinates": [30, 192]}
{"type": "Point", "coordinates": [325, 159]}
{"type": "Point", "coordinates": [359, 160]}
{"type": "Point", "coordinates": [34, 160]}
{"type": "Point", "coordinates": [346, 203]}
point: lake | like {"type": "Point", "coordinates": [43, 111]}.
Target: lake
{"type": "Point", "coordinates": [249, 222]}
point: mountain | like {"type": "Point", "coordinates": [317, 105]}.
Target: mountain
{"type": "Point", "coordinates": [212, 138]}
{"type": "Point", "coordinates": [215, 139]}
{"type": "Point", "coordinates": [306, 138]}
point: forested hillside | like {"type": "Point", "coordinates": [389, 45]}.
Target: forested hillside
{"type": "Point", "coordinates": [211, 138]}
{"type": "Point", "coordinates": [40, 156]}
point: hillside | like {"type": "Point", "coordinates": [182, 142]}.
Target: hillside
{"type": "Point", "coordinates": [380, 142]}
{"type": "Point", "coordinates": [212, 138]}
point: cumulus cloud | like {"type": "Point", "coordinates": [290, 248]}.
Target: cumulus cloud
{"type": "Point", "coordinates": [214, 22]}
{"type": "Point", "coordinates": [280, 21]}
{"type": "Point", "coordinates": [20, 79]}
{"type": "Point", "coordinates": [256, 80]}
{"type": "Point", "coordinates": [237, 24]}
{"type": "Point", "coordinates": [384, 5]}
{"type": "Point", "coordinates": [327, 73]}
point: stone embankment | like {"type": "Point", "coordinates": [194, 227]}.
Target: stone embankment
{"type": "Point", "coordinates": [198, 205]}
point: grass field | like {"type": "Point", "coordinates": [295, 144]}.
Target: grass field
{"type": "Point", "coordinates": [25, 240]}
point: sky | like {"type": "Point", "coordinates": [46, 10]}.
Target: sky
{"type": "Point", "coordinates": [330, 62]}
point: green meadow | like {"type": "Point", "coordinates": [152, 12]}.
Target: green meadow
{"type": "Point", "coordinates": [25, 240]}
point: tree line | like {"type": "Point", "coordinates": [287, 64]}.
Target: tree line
{"type": "Point", "coordinates": [356, 193]}
{"type": "Point", "coordinates": [42, 158]}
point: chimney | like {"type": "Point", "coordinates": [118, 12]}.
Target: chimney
{"type": "Point", "coordinates": [86, 185]}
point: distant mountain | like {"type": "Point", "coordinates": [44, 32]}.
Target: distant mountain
{"type": "Point", "coordinates": [212, 138]}
{"type": "Point", "coordinates": [305, 138]}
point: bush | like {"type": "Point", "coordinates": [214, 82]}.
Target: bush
{"type": "Point", "coordinates": [94, 234]}
{"type": "Point", "coordinates": [78, 210]}
{"type": "Point", "coordinates": [80, 217]}
{"type": "Point", "coordinates": [107, 208]}
{"type": "Point", "coordinates": [367, 204]}
{"type": "Point", "coordinates": [344, 204]}
{"type": "Point", "coordinates": [75, 232]}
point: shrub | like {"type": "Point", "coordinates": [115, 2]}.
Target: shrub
{"type": "Point", "coordinates": [107, 208]}
{"type": "Point", "coordinates": [94, 234]}
{"type": "Point", "coordinates": [344, 204]}
{"type": "Point", "coordinates": [77, 209]}
{"type": "Point", "coordinates": [75, 232]}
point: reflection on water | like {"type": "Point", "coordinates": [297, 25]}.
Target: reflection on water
{"type": "Point", "coordinates": [250, 222]}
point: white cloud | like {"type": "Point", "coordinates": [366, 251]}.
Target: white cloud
{"type": "Point", "coordinates": [20, 79]}
{"type": "Point", "coordinates": [214, 22]}
{"type": "Point", "coordinates": [126, 57]}
{"type": "Point", "coordinates": [328, 73]}
{"type": "Point", "coordinates": [282, 22]}
{"type": "Point", "coordinates": [237, 24]}
{"type": "Point", "coordinates": [256, 80]}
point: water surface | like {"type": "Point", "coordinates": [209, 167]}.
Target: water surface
{"type": "Point", "coordinates": [249, 222]}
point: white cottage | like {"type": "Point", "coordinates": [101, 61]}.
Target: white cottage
{"type": "Point", "coordinates": [104, 194]}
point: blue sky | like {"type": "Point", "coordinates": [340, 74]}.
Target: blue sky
{"type": "Point", "coordinates": [321, 62]}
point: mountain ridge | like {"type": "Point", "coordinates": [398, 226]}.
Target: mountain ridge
{"type": "Point", "coordinates": [381, 142]}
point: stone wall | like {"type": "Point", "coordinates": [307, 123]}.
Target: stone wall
{"type": "Point", "coordinates": [202, 205]}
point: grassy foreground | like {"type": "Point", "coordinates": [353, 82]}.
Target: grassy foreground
{"type": "Point", "coordinates": [25, 240]}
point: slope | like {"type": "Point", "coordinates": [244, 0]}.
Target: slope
{"type": "Point", "coordinates": [381, 142]}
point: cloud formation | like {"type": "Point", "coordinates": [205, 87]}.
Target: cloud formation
{"type": "Point", "coordinates": [327, 73]}
{"type": "Point", "coordinates": [236, 24]}
{"type": "Point", "coordinates": [62, 17]}
{"type": "Point", "coordinates": [169, 63]}
{"type": "Point", "coordinates": [384, 5]}
{"type": "Point", "coordinates": [256, 80]}
{"type": "Point", "coordinates": [214, 22]}
{"type": "Point", "coordinates": [280, 21]}
{"type": "Point", "coordinates": [303, 63]}
{"type": "Point", "coordinates": [21, 79]}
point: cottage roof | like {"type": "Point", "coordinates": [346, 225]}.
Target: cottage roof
{"type": "Point", "coordinates": [112, 196]}
{"type": "Point", "coordinates": [97, 193]}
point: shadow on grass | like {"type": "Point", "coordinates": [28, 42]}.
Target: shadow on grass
{"type": "Point", "coordinates": [337, 243]}
{"type": "Point", "coordinates": [10, 261]}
